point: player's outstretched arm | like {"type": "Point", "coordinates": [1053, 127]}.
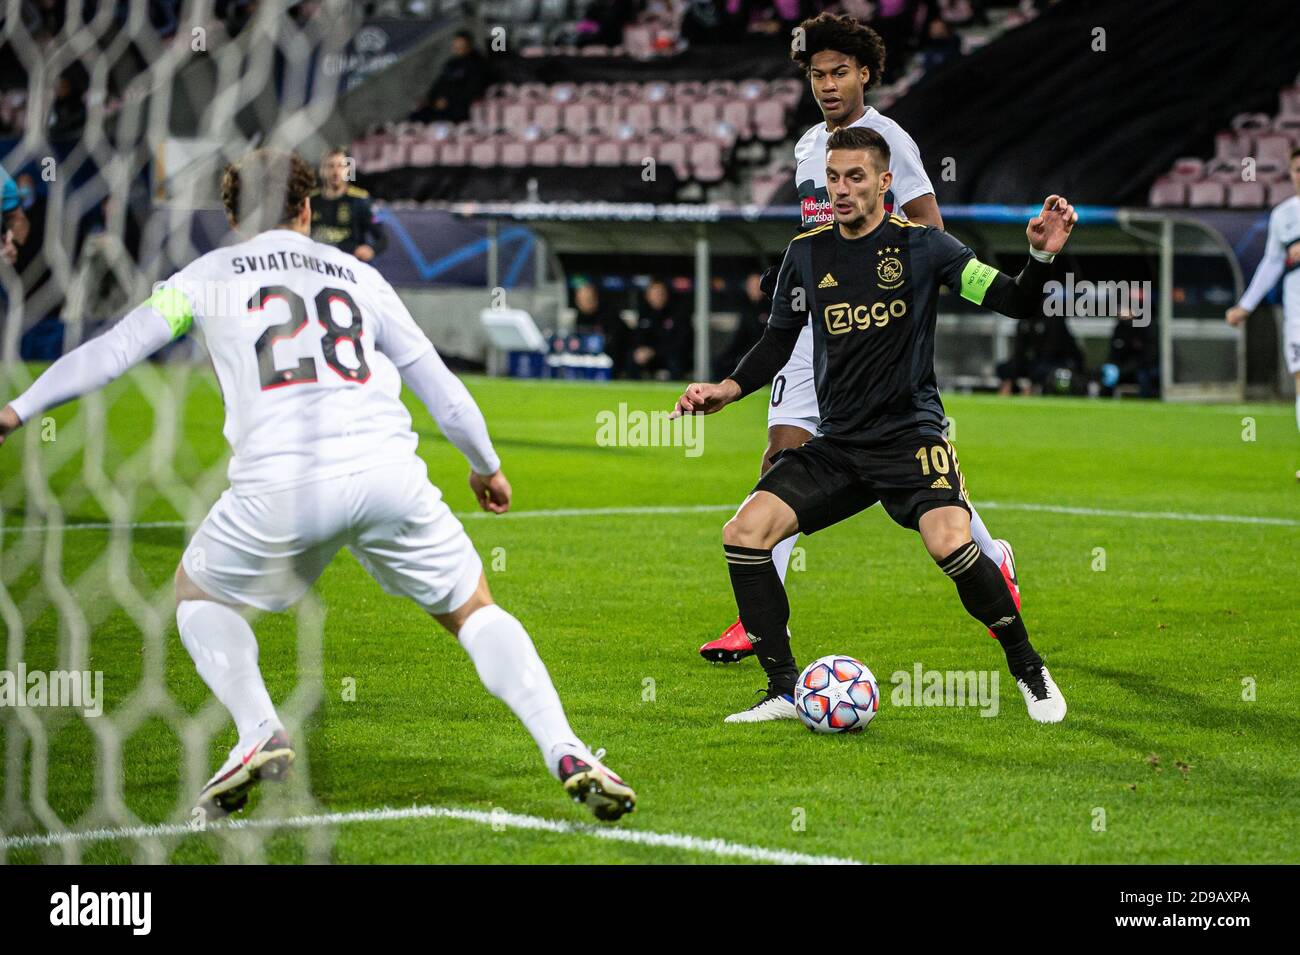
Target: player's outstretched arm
{"type": "Point", "coordinates": [756, 369]}
{"type": "Point", "coordinates": [459, 418]}
{"type": "Point", "coordinates": [1267, 274]}
{"type": "Point", "coordinates": [1022, 296]}
{"type": "Point", "coordinates": [94, 364]}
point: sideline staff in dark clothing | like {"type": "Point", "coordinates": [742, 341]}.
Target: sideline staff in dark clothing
{"type": "Point", "coordinates": [341, 214]}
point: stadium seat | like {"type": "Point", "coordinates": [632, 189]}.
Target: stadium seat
{"type": "Point", "coordinates": [546, 117]}
{"type": "Point", "coordinates": [562, 93]}
{"type": "Point", "coordinates": [607, 153]}
{"type": "Point", "coordinates": [788, 91]}
{"type": "Point", "coordinates": [576, 118]}
{"type": "Point", "coordinates": [640, 117]}
{"type": "Point", "coordinates": [672, 152]}
{"type": "Point", "coordinates": [1206, 194]}
{"type": "Point", "coordinates": [515, 116]}
{"type": "Point", "coordinates": [1251, 122]}
{"type": "Point", "coordinates": [1272, 153]}
{"type": "Point", "coordinates": [687, 91]}
{"type": "Point", "coordinates": [423, 154]}
{"type": "Point", "coordinates": [484, 154]}
{"type": "Point", "coordinates": [670, 119]}
{"type": "Point", "coordinates": [576, 154]}
{"type": "Point", "coordinates": [1247, 195]}
{"type": "Point", "coordinates": [737, 114]}
{"type": "Point", "coordinates": [721, 89]}
{"type": "Point", "coordinates": [454, 152]}
{"type": "Point", "coordinates": [706, 161]}
{"type": "Point", "coordinates": [514, 155]}
{"type": "Point", "coordinates": [769, 121]}
{"type": "Point", "coordinates": [625, 92]}
{"type": "Point", "coordinates": [1279, 191]}
{"type": "Point", "coordinates": [657, 92]}
{"type": "Point", "coordinates": [702, 115]}
{"type": "Point", "coordinates": [1231, 146]}
{"type": "Point", "coordinates": [1188, 169]}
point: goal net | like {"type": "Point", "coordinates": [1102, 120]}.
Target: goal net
{"type": "Point", "coordinates": [122, 123]}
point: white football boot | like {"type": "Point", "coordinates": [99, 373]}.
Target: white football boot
{"type": "Point", "coordinates": [1042, 696]}
{"type": "Point", "coordinates": [268, 760]}
{"type": "Point", "coordinates": [773, 706]}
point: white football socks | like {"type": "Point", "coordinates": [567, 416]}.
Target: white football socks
{"type": "Point", "coordinates": [508, 664]}
{"type": "Point", "coordinates": [981, 536]}
{"type": "Point", "coordinates": [224, 650]}
{"type": "Point", "coordinates": [781, 555]}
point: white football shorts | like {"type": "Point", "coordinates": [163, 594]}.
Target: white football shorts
{"type": "Point", "coordinates": [266, 550]}
{"type": "Point", "coordinates": [794, 392]}
{"type": "Point", "coordinates": [1291, 343]}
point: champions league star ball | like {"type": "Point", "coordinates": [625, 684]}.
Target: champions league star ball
{"type": "Point", "coordinates": [836, 694]}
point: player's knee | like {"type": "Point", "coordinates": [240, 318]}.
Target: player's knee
{"type": "Point", "coordinates": [744, 531]}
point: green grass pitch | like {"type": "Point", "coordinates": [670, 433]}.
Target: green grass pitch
{"type": "Point", "coordinates": [1160, 629]}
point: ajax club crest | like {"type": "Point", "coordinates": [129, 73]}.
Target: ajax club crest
{"type": "Point", "coordinates": [889, 268]}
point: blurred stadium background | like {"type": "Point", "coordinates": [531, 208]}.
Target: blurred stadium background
{"type": "Point", "coordinates": [621, 171]}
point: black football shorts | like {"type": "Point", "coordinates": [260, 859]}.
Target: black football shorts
{"type": "Point", "coordinates": [826, 481]}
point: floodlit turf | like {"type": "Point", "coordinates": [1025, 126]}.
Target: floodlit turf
{"type": "Point", "coordinates": [1161, 759]}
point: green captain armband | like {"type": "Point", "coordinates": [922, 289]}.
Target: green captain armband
{"type": "Point", "coordinates": [173, 305]}
{"type": "Point", "coordinates": [976, 278]}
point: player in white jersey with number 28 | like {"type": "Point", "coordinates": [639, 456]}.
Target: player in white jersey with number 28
{"type": "Point", "coordinates": [311, 347]}
{"type": "Point", "coordinates": [842, 58]}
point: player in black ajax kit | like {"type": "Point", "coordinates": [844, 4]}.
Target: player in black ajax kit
{"type": "Point", "coordinates": [871, 283]}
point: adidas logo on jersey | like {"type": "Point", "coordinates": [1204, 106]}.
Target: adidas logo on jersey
{"type": "Point", "coordinates": [828, 282]}
{"type": "Point", "coordinates": [941, 482]}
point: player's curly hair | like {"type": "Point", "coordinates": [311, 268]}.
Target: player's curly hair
{"type": "Point", "coordinates": [266, 189]}
{"type": "Point", "coordinates": [843, 34]}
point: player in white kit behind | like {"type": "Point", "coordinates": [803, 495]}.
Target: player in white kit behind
{"type": "Point", "coordinates": [311, 347]}
{"type": "Point", "coordinates": [842, 58]}
{"type": "Point", "coordinates": [1281, 261]}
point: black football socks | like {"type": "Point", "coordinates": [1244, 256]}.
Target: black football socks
{"type": "Point", "coordinates": [984, 594]}
{"type": "Point", "coordinates": [764, 613]}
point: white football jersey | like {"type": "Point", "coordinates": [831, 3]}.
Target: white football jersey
{"type": "Point", "coordinates": [1281, 260]}
{"type": "Point", "coordinates": [910, 180]}
{"type": "Point", "coordinates": [306, 342]}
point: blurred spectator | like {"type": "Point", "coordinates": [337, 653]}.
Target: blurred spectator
{"type": "Point", "coordinates": [1134, 359]}
{"type": "Point", "coordinates": [753, 310]}
{"type": "Point", "coordinates": [941, 45]}
{"type": "Point", "coordinates": [661, 343]}
{"type": "Point", "coordinates": [14, 225]}
{"type": "Point", "coordinates": [32, 230]}
{"type": "Point", "coordinates": [1045, 356]}
{"type": "Point", "coordinates": [595, 316]}
{"type": "Point", "coordinates": [341, 214]}
{"type": "Point", "coordinates": [68, 112]}
{"type": "Point", "coordinates": [463, 79]}
{"type": "Point", "coordinates": [714, 21]}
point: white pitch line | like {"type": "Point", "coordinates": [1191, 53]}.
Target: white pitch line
{"type": "Point", "coordinates": [1190, 516]}
{"type": "Point", "coordinates": [498, 819]}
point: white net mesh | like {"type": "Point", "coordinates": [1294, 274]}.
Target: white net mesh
{"type": "Point", "coordinates": [97, 500]}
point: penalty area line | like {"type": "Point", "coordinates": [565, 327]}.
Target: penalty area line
{"type": "Point", "coordinates": [498, 819]}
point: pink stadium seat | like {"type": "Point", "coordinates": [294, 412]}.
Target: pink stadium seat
{"type": "Point", "coordinates": [454, 152]}
{"type": "Point", "coordinates": [514, 155]}
{"type": "Point", "coordinates": [738, 115]}
{"type": "Point", "coordinates": [1251, 122]}
{"type": "Point", "coordinates": [625, 92]}
{"type": "Point", "coordinates": [769, 121]}
{"type": "Point", "coordinates": [594, 92]}
{"type": "Point", "coordinates": [657, 92]}
{"type": "Point", "coordinates": [515, 116]}
{"type": "Point", "coordinates": [503, 91]}
{"type": "Point", "coordinates": [576, 117]}
{"type": "Point", "coordinates": [706, 161]}
{"type": "Point", "coordinates": [395, 155]}
{"type": "Point", "coordinates": [672, 152]}
{"type": "Point", "coordinates": [1231, 146]}
{"type": "Point", "coordinates": [687, 91]}
{"type": "Point", "coordinates": [1288, 101]}
{"type": "Point", "coordinates": [752, 90]}
{"type": "Point", "coordinates": [562, 93]}
{"type": "Point", "coordinates": [478, 114]}
{"type": "Point", "coordinates": [484, 154]}
{"type": "Point", "coordinates": [1280, 191]}
{"type": "Point", "coordinates": [670, 119]}
{"type": "Point", "coordinates": [789, 91]}
{"type": "Point", "coordinates": [721, 89]}
{"type": "Point", "coordinates": [546, 117]}
{"type": "Point", "coordinates": [532, 93]}
{"type": "Point", "coordinates": [607, 153]}
{"type": "Point", "coordinates": [424, 154]}
{"type": "Point", "coordinates": [1205, 194]}
{"type": "Point", "coordinates": [438, 131]}
{"type": "Point", "coordinates": [577, 154]}
{"type": "Point", "coordinates": [1166, 192]}
{"type": "Point", "coordinates": [1247, 195]}
{"type": "Point", "coordinates": [606, 117]}
{"type": "Point", "coordinates": [547, 153]}
{"type": "Point", "coordinates": [1271, 152]}
{"type": "Point", "coordinates": [639, 41]}
{"type": "Point", "coordinates": [1188, 169]}
{"type": "Point", "coordinates": [637, 151]}
{"type": "Point", "coordinates": [594, 49]}
{"type": "Point", "coordinates": [702, 115]}
{"type": "Point", "coordinates": [640, 117]}
{"type": "Point", "coordinates": [1226, 171]}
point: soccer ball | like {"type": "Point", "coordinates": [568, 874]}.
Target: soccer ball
{"type": "Point", "coordinates": [836, 694]}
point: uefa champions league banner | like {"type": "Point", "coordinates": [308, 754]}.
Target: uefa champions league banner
{"type": "Point", "coordinates": [375, 47]}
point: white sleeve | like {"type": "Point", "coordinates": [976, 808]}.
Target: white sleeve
{"type": "Point", "coordinates": [453, 408]}
{"type": "Point", "coordinates": [94, 364]}
{"type": "Point", "coordinates": [397, 336]}
{"type": "Point", "coordinates": [910, 179]}
{"type": "Point", "coordinates": [1269, 270]}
